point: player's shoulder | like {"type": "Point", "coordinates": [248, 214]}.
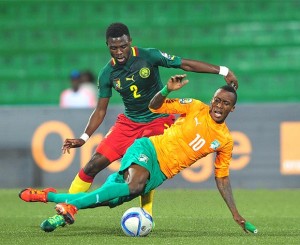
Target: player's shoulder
{"type": "Point", "coordinates": [107, 68]}
{"type": "Point", "coordinates": [192, 103]}
{"type": "Point", "coordinates": [227, 134]}
{"type": "Point", "coordinates": [145, 52]}
{"type": "Point", "coordinates": [197, 103]}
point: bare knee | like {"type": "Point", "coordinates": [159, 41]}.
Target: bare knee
{"type": "Point", "coordinates": [136, 189]}
{"type": "Point", "coordinates": [97, 163]}
{"type": "Point", "coordinates": [136, 177]}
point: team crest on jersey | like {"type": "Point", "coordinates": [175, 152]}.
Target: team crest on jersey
{"type": "Point", "coordinates": [117, 84]}
{"type": "Point", "coordinates": [185, 101]}
{"type": "Point", "coordinates": [143, 158]}
{"type": "Point", "coordinates": [215, 144]}
{"type": "Point", "coordinates": [144, 72]}
{"type": "Point", "coordinates": [168, 56]}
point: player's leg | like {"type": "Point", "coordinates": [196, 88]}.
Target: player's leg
{"type": "Point", "coordinates": [112, 188]}
{"type": "Point", "coordinates": [146, 202]}
{"type": "Point", "coordinates": [111, 148]}
{"type": "Point", "coordinates": [47, 195]}
{"type": "Point", "coordinates": [135, 175]}
{"type": "Point", "coordinates": [84, 179]}
{"type": "Point", "coordinates": [130, 180]}
{"type": "Point", "coordinates": [133, 179]}
{"type": "Point", "coordinates": [155, 127]}
{"type": "Point", "coordinates": [68, 204]}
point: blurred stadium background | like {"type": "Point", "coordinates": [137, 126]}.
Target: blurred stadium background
{"type": "Point", "coordinates": [42, 41]}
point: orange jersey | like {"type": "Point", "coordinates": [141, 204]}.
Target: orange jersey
{"type": "Point", "coordinates": [193, 136]}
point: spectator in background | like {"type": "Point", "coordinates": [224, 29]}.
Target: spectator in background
{"type": "Point", "coordinates": [88, 85]}
{"type": "Point", "coordinates": [76, 97]}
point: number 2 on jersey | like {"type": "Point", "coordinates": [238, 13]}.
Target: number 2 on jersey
{"type": "Point", "coordinates": [134, 88]}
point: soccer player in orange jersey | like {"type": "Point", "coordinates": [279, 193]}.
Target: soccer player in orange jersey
{"type": "Point", "coordinates": [199, 131]}
{"type": "Point", "coordinates": [133, 72]}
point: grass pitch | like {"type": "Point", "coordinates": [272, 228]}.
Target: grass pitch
{"type": "Point", "coordinates": [181, 217]}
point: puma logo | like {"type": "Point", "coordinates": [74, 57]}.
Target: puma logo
{"type": "Point", "coordinates": [197, 123]}
{"type": "Point", "coordinates": [130, 78]}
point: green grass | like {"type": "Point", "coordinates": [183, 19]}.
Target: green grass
{"type": "Point", "coordinates": [181, 217]}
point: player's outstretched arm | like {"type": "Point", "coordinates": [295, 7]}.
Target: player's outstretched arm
{"type": "Point", "coordinates": [94, 122]}
{"type": "Point", "coordinates": [224, 187]}
{"type": "Point", "coordinates": [203, 67]}
{"type": "Point", "coordinates": [175, 82]}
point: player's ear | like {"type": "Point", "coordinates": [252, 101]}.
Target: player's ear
{"type": "Point", "coordinates": [232, 109]}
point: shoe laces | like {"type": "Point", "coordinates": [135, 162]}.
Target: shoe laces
{"type": "Point", "coordinates": [36, 192]}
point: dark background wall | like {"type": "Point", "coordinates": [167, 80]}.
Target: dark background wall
{"type": "Point", "coordinates": [265, 153]}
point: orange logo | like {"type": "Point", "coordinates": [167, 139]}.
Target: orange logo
{"type": "Point", "coordinates": [289, 148]}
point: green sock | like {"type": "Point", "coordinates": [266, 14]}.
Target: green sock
{"type": "Point", "coordinates": [102, 194]}
{"type": "Point", "coordinates": [65, 197]}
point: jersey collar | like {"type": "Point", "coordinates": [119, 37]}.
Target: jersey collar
{"type": "Point", "coordinates": [134, 53]}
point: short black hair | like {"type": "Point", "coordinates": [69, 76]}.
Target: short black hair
{"type": "Point", "coordinates": [231, 90]}
{"type": "Point", "coordinates": [117, 30]}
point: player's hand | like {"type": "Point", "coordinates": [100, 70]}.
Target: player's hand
{"type": "Point", "coordinates": [240, 221]}
{"type": "Point", "coordinates": [232, 80]}
{"type": "Point", "coordinates": [176, 82]}
{"type": "Point", "coordinates": [71, 143]}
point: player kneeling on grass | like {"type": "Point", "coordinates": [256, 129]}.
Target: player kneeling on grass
{"type": "Point", "coordinates": [199, 131]}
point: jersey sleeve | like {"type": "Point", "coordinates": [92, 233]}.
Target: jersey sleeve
{"type": "Point", "coordinates": [178, 106]}
{"type": "Point", "coordinates": [158, 58]}
{"type": "Point", "coordinates": [104, 85]}
{"type": "Point", "coordinates": [223, 159]}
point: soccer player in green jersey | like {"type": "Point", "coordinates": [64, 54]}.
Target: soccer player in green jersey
{"type": "Point", "coordinates": [134, 73]}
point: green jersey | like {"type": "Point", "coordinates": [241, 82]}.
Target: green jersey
{"type": "Point", "coordinates": [137, 81]}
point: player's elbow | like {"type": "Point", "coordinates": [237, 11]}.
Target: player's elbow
{"type": "Point", "coordinates": [155, 104]}
{"type": "Point", "coordinates": [152, 108]}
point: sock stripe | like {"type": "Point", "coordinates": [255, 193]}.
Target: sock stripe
{"type": "Point", "coordinates": [86, 178]}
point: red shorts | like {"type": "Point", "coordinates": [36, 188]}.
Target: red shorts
{"type": "Point", "coordinates": [124, 132]}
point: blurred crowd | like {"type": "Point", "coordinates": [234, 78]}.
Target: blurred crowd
{"type": "Point", "coordinates": [83, 92]}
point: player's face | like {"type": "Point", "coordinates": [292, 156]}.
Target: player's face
{"type": "Point", "coordinates": [221, 105]}
{"type": "Point", "coordinates": [75, 83]}
{"type": "Point", "coordinates": [120, 48]}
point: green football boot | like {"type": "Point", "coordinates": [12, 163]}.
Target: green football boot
{"type": "Point", "coordinates": [52, 223]}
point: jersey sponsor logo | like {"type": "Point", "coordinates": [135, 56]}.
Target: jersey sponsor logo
{"type": "Point", "coordinates": [144, 72]}
{"type": "Point", "coordinates": [215, 144]}
{"type": "Point", "coordinates": [168, 56]}
{"type": "Point", "coordinates": [130, 78]}
{"type": "Point", "coordinates": [185, 101]}
{"type": "Point", "coordinates": [143, 158]}
{"type": "Point", "coordinates": [117, 83]}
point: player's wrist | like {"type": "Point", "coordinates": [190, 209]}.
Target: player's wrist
{"type": "Point", "coordinates": [164, 92]}
{"type": "Point", "coordinates": [223, 71]}
{"type": "Point", "coordinates": [85, 137]}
